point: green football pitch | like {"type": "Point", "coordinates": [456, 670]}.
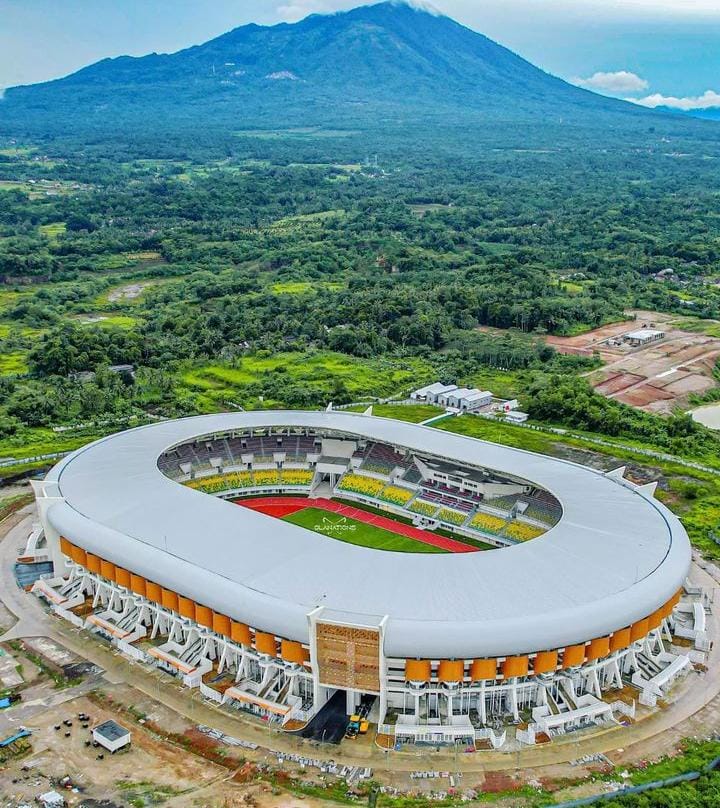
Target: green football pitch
{"type": "Point", "coordinates": [343, 528]}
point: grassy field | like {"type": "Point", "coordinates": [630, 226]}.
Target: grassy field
{"type": "Point", "coordinates": [13, 364]}
{"type": "Point", "coordinates": [302, 287]}
{"type": "Point", "coordinates": [411, 413]}
{"type": "Point", "coordinates": [52, 231]}
{"type": "Point", "coordinates": [698, 326]}
{"type": "Point", "coordinates": [303, 221]}
{"type": "Point", "coordinates": [107, 320]}
{"type": "Point", "coordinates": [214, 385]}
{"type": "Point", "coordinates": [351, 531]}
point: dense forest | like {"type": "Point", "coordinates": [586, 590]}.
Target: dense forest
{"type": "Point", "coordinates": [289, 269]}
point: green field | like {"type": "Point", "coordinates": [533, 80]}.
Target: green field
{"type": "Point", "coordinates": [342, 528]}
{"type": "Point", "coordinates": [282, 374]}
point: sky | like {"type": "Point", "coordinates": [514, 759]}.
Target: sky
{"type": "Point", "coordinates": [651, 51]}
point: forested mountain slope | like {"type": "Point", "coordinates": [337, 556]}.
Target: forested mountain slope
{"type": "Point", "coordinates": [387, 64]}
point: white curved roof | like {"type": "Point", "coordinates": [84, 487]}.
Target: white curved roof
{"type": "Point", "coordinates": [614, 557]}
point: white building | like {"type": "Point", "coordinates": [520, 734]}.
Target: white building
{"type": "Point", "coordinates": [430, 391]}
{"type": "Point", "coordinates": [644, 336]}
{"type": "Point", "coordinates": [242, 602]}
{"type": "Point", "coordinates": [440, 394]}
{"type": "Point", "coordinates": [466, 399]}
{"type": "Point", "coordinates": [474, 400]}
{"type": "Point", "coordinates": [516, 417]}
{"type": "Point", "coordinates": [111, 736]}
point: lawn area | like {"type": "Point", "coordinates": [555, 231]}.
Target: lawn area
{"type": "Point", "coordinates": [52, 231]}
{"type": "Point", "coordinates": [302, 287]}
{"type": "Point", "coordinates": [411, 413]}
{"type": "Point", "coordinates": [278, 377]}
{"type": "Point", "coordinates": [351, 531]}
{"type": "Point", "coordinates": [292, 224]}
{"type": "Point", "coordinates": [696, 325]}
{"type": "Point", "coordinates": [107, 320]}
{"type": "Point", "coordinates": [13, 364]}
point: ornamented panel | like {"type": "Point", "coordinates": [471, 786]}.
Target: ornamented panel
{"type": "Point", "coordinates": [349, 657]}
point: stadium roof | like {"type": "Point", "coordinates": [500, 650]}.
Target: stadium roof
{"type": "Point", "coordinates": [614, 557]}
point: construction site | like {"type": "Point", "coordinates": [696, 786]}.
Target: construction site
{"type": "Point", "coordinates": [656, 375]}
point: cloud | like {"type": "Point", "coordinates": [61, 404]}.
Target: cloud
{"type": "Point", "coordinates": [705, 101]}
{"type": "Point", "coordinates": [621, 81]}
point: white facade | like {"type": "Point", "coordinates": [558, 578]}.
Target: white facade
{"type": "Point", "coordinates": [475, 400]}
{"type": "Point", "coordinates": [111, 736]}
{"type": "Point", "coordinates": [644, 336]}
{"type": "Point", "coordinates": [429, 392]}
{"type": "Point", "coordinates": [246, 600]}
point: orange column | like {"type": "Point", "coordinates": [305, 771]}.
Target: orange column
{"type": "Point", "coordinates": [598, 648]}
{"type": "Point", "coordinates": [186, 607]}
{"type": "Point", "coordinates": [240, 633]}
{"type": "Point", "coordinates": [221, 624]}
{"type": "Point", "coordinates": [573, 655]}
{"type": "Point", "coordinates": [483, 669]}
{"type": "Point", "coordinates": [203, 615]}
{"type": "Point", "coordinates": [417, 670]}
{"type": "Point", "coordinates": [291, 651]}
{"type": "Point", "coordinates": [107, 569]}
{"type": "Point", "coordinates": [122, 577]}
{"type": "Point", "coordinates": [138, 584]}
{"type": "Point", "coordinates": [78, 555]}
{"type": "Point", "coordinates": [639, 630]}
{"type": "Point", "coordinates": [169, 599]}
{"type": "Point", "coordinates": [451, 670]}
{"type": "Point", "coordinates": [656, 618]}
{"type": "Point", "coordinates": [66, 547]}
{"type": "Point", "coordinates": [545, 662]}
{"type": "Point", "coordinates": [515, 666]}
{"type": "Point", "coordinates": [93, 563]}
{"type": "Point", "coordinates": [153, 592]}
{"type": "Point", "coordinates": [265, 643]}
{"type": "Point", "coordinates": [620, 639]}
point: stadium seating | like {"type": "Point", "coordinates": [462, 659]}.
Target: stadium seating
{"type": "Point", "coordinates": [453, 517]}
{"type": "Point", "coordinates": [396, 495]}
{"type": "Point", "coordinates": [423, 507]}
{"type": "Point", "coordinates": [222, 482]}
{"type": "Point", "coordinates": [367, 486]}
{"type": "Point", "coordinates": [249, 479]}
{"type": "Point", "coordinates": [296, 477]}
{"type": "Point", "coordinates": [266, 477]}
{"type": "Point", "coordinates": [487, 523]}
{"type": "Point", "coordinates": [522, 532]}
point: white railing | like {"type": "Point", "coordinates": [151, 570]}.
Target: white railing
{"type": "Point", "coordinates": [487, 734]}
{"type": "Point", "coordinates": [211, 693]}
{"type": "Point", "coordinates": [526, 736]}
{"type": "Point", "coordinates": [130, 650]}
{"type": "Point", "coordinates": [69, 616]}
{"type": "Point", "coordinates": [623, 709]}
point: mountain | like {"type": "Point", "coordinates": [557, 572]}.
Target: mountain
{"type": "Point", "coordinates": [708, 113]}
{"type": "Point", "coordinates": [390, 62]}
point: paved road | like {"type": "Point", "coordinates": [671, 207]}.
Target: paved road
{"type": "Point", "coordinates": [700, 693]}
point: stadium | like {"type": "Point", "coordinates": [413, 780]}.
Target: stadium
{"type": "Point", "coordinates": [305, 567]}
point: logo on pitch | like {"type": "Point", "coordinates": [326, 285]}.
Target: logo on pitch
{"type": "Point", "coordinates": [337, 525]}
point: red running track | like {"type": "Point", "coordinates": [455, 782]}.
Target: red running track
{"type": "Point", "coordinates": [284, 506]}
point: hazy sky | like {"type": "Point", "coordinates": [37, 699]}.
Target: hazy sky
{"type": "Point", "coordinates": [644, 49]}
